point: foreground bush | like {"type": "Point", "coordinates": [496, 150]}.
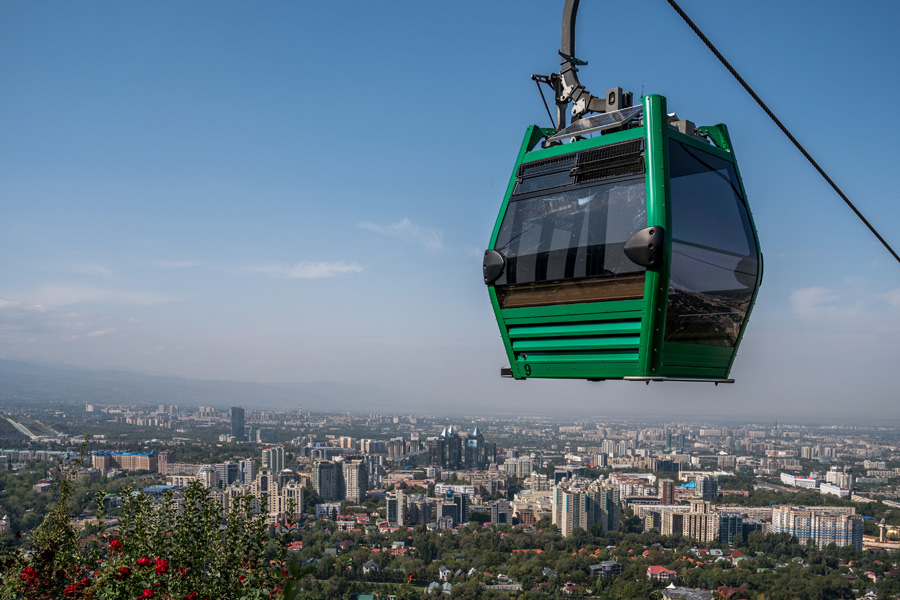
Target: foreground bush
{"type": "Point", "coordinates": [179, 549]}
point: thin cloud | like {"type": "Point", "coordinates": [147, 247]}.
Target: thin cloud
{"type": "Point", "coordinates": [406, 230]}
{"type": "Point", "coordinates": [102, 332]}
{"type": "Point", "coordinates": [10, 305]}
{"type": "Point", "coordinates": [91, 269]}
{"type": "Point", "coordinates": [893, 297]}
{"type": "Point", "coordinates": [814, 302]}
{"type": "Point", "coordinates": [178, 264]}
{"type": "Point", "coordinates": [308, 269]}
{"type": "Point", "coordinates": [64, 295]}
{"type": "Point", "coordinates": [823, 303]}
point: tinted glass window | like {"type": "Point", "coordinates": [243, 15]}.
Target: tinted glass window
{"type": "Point", "coordinates": [714, 263]}
{"type": "Point", "coordinates": [572, 233]}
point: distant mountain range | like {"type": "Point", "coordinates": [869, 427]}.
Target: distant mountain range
{"type": "Point", "coordinates": [27, 381]}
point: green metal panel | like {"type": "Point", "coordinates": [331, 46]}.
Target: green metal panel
{"type": "Point", "coordinates": [578, 367]}
{"type": "Point", "coordinates": [656, 283]}
{"type": "Point", "coordinates": [533, 135]}
{"type": "Point", "coordinates": [512, 315]}
{"type": "Point", "coordinates": [681, 355]}
{"type": "Point", "coordinates": [562, 330]}
{"type": "Point", "coordinates": [590, 343]}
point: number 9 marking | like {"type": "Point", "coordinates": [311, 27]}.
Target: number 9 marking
{"type": "Point", "coordinates": [527, 369]}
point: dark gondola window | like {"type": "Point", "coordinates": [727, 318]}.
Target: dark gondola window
{"type": "Point", "coordinates": [714, 253]}
{"type": "Point", "coordinates": [572, 234]}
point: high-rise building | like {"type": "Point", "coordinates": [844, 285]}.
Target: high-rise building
{"type": "Point", "coordinates": [501, 512]}
{"type": "Point", "coordinates": [253, 434]}
{"type": "Point", "coordinates": [208, 477]}
{"type": "Point", "coordinates": [396, 448]}
{"type": "Point", "coordinates": [289, 503]}
{"type": "Point", "coordinates": [575, 506]}
{"type": "Point", "coordinates": [842, 479]}
{"type": "Point", "coordinates": [671, 522]}
{"type": "Point", "coordinates": [163, 459]}
{"type": "Point", "coordinates": [520, 467]}
{"type": "Point", "coordinates": [247, 470]}
{"type": "Point", "coordinates": [327, 478]}
{"type": "Point", "coordinates": [456, 506]}
{"type": "Point", "coordinates": [823, 525]}
{"type": "Point", "coordinates": [228, 472]}
{"type": "Point", "coordinates": [731, 525]}
{"type": "Point", "coordinates": [396, 509]}
{"type": "Point", "coordinates": [606, 500]}
{"type": "Point", "coordinates": [666, 491]}
{"type": "Point", "coordinates": [418, 509]}
{"type": "Point", "coordinates": [237, 424]}
{"type": "Point", "coordinates": [478, 452]}
{"type": "Point", "coordinates": [375, 467]}
{"type": "Point", "coordinates": [452, 455]}
{"type": "Point", "coordinates": [538, 482]}
{"type": "Point", "coordinates": [707, 487]}
{"type": "Point", "coordinates": [356, 480]}
{"type": "Point", "coordinates": [273, 459]}
{"type": "Point", "coordinates": [701, 526]}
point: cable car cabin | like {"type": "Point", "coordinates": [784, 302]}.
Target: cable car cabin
{"type": "Point", "coordinates": [629, 255]}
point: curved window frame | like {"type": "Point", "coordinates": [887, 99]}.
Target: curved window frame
{"type": "Point", "coordinates": [714, 253]}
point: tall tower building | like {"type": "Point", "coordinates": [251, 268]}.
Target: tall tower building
{"type": "Point", "coordinates": [247, 470]}
{"type": "Point", "coordinates": [228, 473]}
{"type": "Point", "coordinates": [731, 525]}
{"type": "Point", "coordinates": [575, 506]}
{"type": "Point", "coordinates": [396, 509]}
{"type": "Point", "coordinates": [456, 506]}
{"type": "Point", "coordinates": [237, 424]}
{"type": "Point", "coordinates": [396, 448]}
{"type": "Point", "coordinates": [666, 492]}
{"type": "Point", "coordinates": [453, 451]}
{"type": "Point", "coordinates": [327, 480]}
{"type": "Point", "coordinates": [605, 500]}
{"type": "Point", "coordinates": [475, 450]}
{"type": "Point", "coordinates": [707, 487]}
{"type": "Point", "coordinates": [356, 480]}
{"type": "Point", "coordinates": [273, 459]}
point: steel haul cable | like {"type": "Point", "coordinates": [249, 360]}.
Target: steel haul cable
{"type": "Point", "coordinates": [777, 121]}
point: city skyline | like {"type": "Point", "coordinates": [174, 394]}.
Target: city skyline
{"type": "Point", "coordinates": [234, 193]}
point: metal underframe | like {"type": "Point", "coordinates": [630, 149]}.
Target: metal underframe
{"type": "Point", "coordinates": [647, 380]}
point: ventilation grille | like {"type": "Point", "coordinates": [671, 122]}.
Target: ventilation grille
{"type": "Point", "coordinates": [616, 160]}
{"type": "Point", "coordinates": [577, 342]}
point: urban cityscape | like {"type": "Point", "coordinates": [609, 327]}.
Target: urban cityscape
{"type": "Point", "coordinates": [406, 301]}
{"type": "Point", "coordinates": [590, 507]}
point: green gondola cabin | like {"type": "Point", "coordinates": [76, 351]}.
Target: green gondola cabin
{"type": "Point", "coordinates": [628, 255]}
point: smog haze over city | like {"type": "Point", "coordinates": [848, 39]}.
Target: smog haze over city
{"type": "Point", "coordinates": [299, 195]}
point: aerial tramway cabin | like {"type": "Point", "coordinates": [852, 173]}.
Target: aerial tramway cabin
{"type": "Point", "coordinates": [624, 249]}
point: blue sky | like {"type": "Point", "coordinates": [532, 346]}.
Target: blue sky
{"type": "Point", "coordinates": [302, 191]}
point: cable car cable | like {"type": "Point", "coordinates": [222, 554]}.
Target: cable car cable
{"type": "Point", "coordinates": [777, 121]}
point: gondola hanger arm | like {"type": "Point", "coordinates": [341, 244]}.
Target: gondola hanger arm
{"type": "Point", "coordinates": [570, 88]}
